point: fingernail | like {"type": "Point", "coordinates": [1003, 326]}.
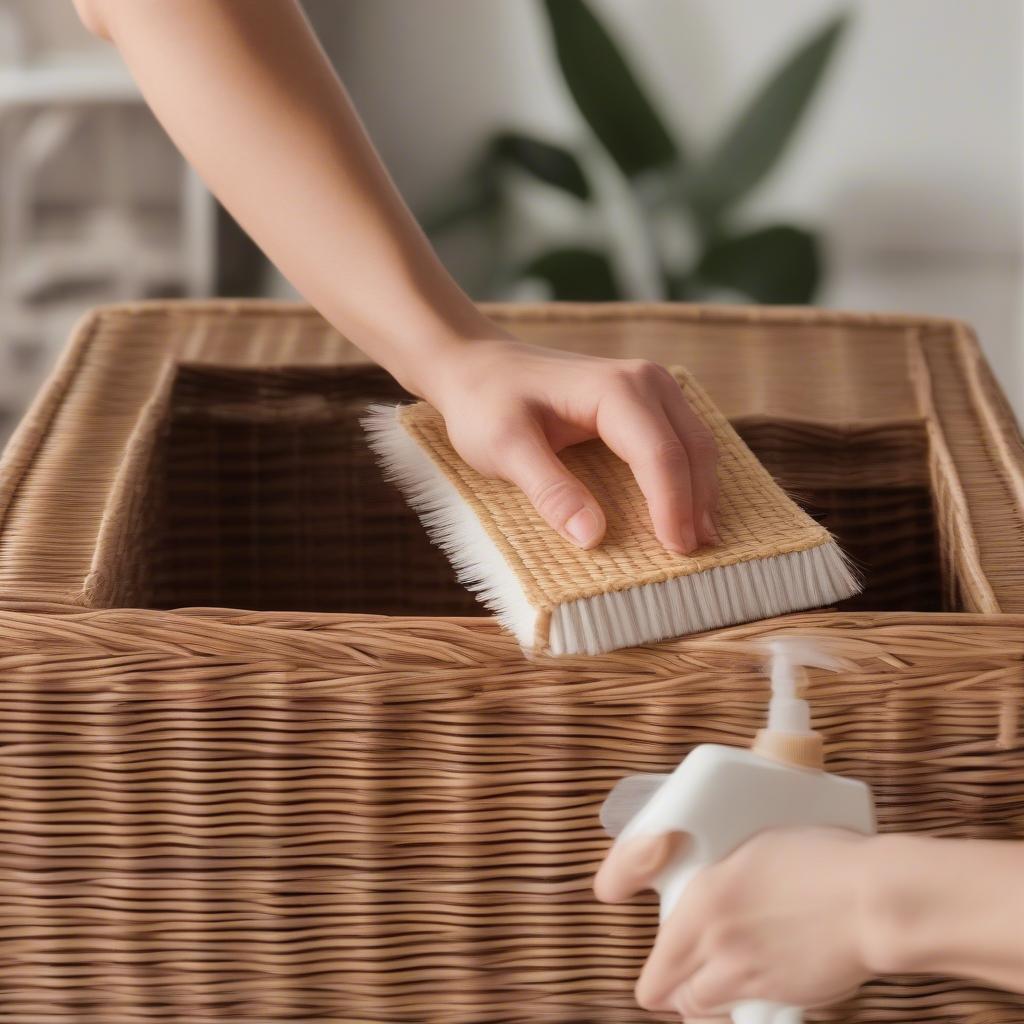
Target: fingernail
{"type": "Point", "coordinates": [710, 533]}
{"type": "Point", "coordinates": [583, 528]}
{"type": "Point", "coordinates": [687, 542]}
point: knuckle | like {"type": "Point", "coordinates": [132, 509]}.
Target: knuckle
{"type": "Point", "coordinates": [648, 372]}
{"type": "Point", "coordinates": [751, 977]}
{"type": "Point", "coordinates": [703, 444]}
{"type": "Point", "coordinates": [631, 372]}
{"type": "Point", "coordinates": [622, 379]}
{"type": "Point", "coordinates": [503, 431]}
{"type": "Point", "coordinates": [723, 937]}
{"type": "Point", "coordinates": [716, 938]}
{"type": "Point", "coordinates": [553, 498]}
{"type": "Point", "coordinates": [670, 453]}
{"type": "Point", "coordinates": [670, 448]}
{"type": "Point", "coordinates": [735, 941]}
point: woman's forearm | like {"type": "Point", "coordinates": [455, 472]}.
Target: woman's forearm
{"type": "Point", "coordinates": [247, 94]}
{"type": "Point", "coordinates": [945, 906]}
{"type": "Point", "coordinates": [244, 90]}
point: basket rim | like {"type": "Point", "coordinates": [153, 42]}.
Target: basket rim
{"type": "Point", "coordinates": [558, 312]}
{"type": "Point", "coordinates": [202, 629]}
{"type": "Point", "coordinates": [21, 464]}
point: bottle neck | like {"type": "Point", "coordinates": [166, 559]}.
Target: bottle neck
{"type": "Point", "coordinates": [799, 749]}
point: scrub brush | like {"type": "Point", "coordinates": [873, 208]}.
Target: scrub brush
{"type": "Point", "coordinates": [559, 599]}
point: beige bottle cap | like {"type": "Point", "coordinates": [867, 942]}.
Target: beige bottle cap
{"type": "Point", "coordinates": [802, 749]}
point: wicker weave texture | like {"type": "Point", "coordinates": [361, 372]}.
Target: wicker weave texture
{"type": "Point", "coordinates": [320, 814]}
{"type": "Point", "coordinates": [265, 817]}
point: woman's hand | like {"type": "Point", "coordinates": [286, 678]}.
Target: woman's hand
{"type": "Point", "coordinates": [784, 918]}
{"type": "Point", "coordinates": [509, 407]}
{"type": "Point", "coordinates": [282, 147]}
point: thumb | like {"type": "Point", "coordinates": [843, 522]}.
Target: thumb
{"type": "Point", "coordinates": [633, 866]}
{"type": "Point", "coordinates": [560, 498]}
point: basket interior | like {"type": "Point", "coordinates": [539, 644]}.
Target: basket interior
{"type": "Point", "coordinates": [262, 495]}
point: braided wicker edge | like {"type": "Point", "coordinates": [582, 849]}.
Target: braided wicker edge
{"type": "Point", "coordinates": [988, 412]}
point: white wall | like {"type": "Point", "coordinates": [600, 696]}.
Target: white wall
{"type": "Point", "coordinates": [911, 163]}
{"type": "Point", "coordinates": [51, 26]}
{"type": "Point", "coordinates": [912, 160]}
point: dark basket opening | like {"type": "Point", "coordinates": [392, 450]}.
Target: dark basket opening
{"type": "Point", "coordinates": [267, 498]}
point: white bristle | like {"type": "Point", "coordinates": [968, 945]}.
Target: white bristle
{"type": "Point", "coordinates": [716, 597]}
{"type": "Point", "coordinates": [449, 522]}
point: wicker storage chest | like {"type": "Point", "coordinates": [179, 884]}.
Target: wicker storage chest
{"type": "Point", "coordinates": [354, 799]}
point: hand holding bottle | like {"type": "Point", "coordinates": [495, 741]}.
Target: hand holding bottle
{"type": "Point", "coordinates": [783, 918]}
{"type": "Point", "coordinates": [803, 916]}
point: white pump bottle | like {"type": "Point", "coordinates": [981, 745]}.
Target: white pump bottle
{"type": "Point", "coordinates": [721, 796]}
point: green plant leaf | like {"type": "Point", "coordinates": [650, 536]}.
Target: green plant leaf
{"type": "Point", "coordinates": [456, 211]}
{"type": "Point", "coordinates": [575, 275]}
{"type": "Point", "coordinates": [606, 91]}
{"type": "Point", "coordinates": [758, 137]}
{"type": "Point", "coordinates": [681, 288]}
{"type": "Point", "coordinates": [552, 164]}
{"type": "Point", "coordinates": [778, 264]}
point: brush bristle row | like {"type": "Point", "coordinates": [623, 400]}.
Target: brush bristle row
{"type": "Point", "coordinates": [716, 597]}
{"type": "Point", "coordinates": [449, 522]}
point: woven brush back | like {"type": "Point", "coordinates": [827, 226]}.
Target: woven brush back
{"type": "Point", "coordinates": [354, 799]}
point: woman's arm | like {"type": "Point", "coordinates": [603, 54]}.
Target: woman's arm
{"type": "Point", "coordinates": [948, 906]}
{"type": "Point", "coordinates": [245, 91]}
{"type": "Point", "coordinates": [248, 96]}
{"type": "Point", "coordinates": [804, 916]}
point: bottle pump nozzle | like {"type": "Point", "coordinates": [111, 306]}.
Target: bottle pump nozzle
{"type": "Point", "coordinates": [788, 736]}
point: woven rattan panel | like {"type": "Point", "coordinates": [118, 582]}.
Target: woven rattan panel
{"type": "Point", "coordinates": [262, 817]}
{"type": "Point", "coordinates": [272, 815]}
{"type": "Point", "coordinates": [268, 498]}
{"type": "Point", "coordinates": [273, 500]}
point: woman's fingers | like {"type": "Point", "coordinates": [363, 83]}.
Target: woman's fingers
{"type": "Point", "coordinates": [709, 990]}
{"type": "Point", "coordinates": [631, 867]}
{"type": "Point", "coordinates": [634, 425]}
{"type": "Point", "coordinates": [526, 460]}
{"type": "Point", "coordinates": [702, 451]}
{"type": "Point", "coordinates": [510, 414]}
{"type": "Point", "coordinates": [682, 946]}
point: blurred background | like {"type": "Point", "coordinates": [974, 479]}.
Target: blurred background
{"type": "Point", "coordinates": [866, 155]}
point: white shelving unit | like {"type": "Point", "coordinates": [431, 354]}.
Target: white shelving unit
{"type": "Point", "coordinates": [105, 248]}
